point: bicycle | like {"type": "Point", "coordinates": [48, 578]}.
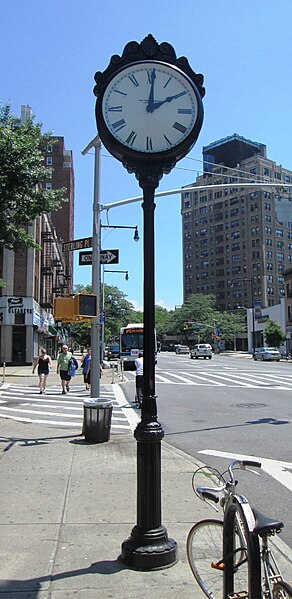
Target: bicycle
{"type": "Point", "coordinates": [231, 559]}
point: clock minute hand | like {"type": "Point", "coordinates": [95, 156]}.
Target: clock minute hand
{"type": "Point", "coordinates": [168, 99]}
{"type": "Point", "coordinates": [150, 105]}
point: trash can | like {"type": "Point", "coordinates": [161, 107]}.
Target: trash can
{"type": "Point", "coordinates": [97, 420]}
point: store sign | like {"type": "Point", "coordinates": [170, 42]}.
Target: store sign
{"type": "Point", "coordinates": [11, 307]}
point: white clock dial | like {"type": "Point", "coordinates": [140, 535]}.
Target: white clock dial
{"type": "Point", "coordinates": [150, 107]}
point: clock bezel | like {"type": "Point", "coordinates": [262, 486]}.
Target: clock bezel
{"type": "Point", "coordinates": [126, 154]}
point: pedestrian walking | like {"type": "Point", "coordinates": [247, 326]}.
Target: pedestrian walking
{"type": "Point", "coordinates": [62, 367]}
{"type": "Point", "coordinates": [84, 364]}
{"type": "Point", "coordinates": [88, 372]}
{"type": "Point", "coordinates": [139, 379]}
{"type": "Point", "coordinates": [43, 363]}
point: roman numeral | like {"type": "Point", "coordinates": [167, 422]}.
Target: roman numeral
{"type": "Point", "coordinates": [131, 138]}
{"type": "Point", "coordinates": [115, 109]}
{"type": "Point", "coordinates": [119, 125]}
{"type": "Point", "coordinates": [149, 143]}
{"type": "Point", "coordinates": [184, 111]}
{"type": "Point", "coordinates": [167, 140]}
{"type": "Point", "coordinates": [179, 127]}
{"type": "Point", "coordinates": [168, 80]}
{"type": "Point", "coordinates": [134, 80]}
{"type": "Point", "coordinates": [119, 92]}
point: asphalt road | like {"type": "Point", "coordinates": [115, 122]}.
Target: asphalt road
{"type": "Point", "coordinates": [226, 407]}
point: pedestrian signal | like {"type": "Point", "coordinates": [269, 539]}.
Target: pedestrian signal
{"type": "Point", "coordinates": [72, 309]}
{"type": "Point", "coordinates": [86, 305]}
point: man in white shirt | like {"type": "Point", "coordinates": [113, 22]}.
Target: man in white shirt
{"type": "Point", "coordinates": [139, 379]}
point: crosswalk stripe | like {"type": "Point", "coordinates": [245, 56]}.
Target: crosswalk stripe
{"type": "Point", "coordinates": [211, 378]}
{"type": "Point", "coordinates": [48, 409]}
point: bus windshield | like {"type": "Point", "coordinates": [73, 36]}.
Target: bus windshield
{"type": "Point", "coordinates": [132, 341]}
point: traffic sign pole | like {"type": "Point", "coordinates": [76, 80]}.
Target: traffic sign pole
{"type": "Point", "coordinates": [95, 328]}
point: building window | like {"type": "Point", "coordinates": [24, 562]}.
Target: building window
{"type": "Point", "coordinates": [49, 160]}
{"type": "Point", "coordinates": [48, 186]}
{"type": "Point", "coordinates": [49, 148]}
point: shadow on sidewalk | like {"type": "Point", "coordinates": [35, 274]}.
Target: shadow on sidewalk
{"type": "Point", "coordinates": [35, 585]}
{"type": "Point", "coordinates": [31, 441]}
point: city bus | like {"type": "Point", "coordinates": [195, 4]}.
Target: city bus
{"type": "Point", "coordinates": [131, 344]}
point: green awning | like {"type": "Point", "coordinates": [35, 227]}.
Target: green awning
{"type": "Point", "coordinates": [52, 330]}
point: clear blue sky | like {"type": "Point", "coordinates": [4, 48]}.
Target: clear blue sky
{"type": "Point", "coordinates": [51, 50]}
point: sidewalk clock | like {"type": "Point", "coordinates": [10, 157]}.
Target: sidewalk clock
{"type": "Point", "coordinates": [149, 114]}
{"type": "Point", "coordinates": [149, 106]}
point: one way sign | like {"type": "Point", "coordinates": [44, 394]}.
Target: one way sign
{"type": "Point", "coordinates": [106, 257]}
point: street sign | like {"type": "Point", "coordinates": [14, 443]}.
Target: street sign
{"type": "Point", "coordinates": [106, 257]}
{"type": "Point", "coordinates": [77, 244]}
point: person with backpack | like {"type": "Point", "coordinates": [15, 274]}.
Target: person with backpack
{"type": "Point", "coordinates": [63, 364]}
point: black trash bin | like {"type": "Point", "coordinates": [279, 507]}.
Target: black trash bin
{"type": "Point", "coordinates": [97, 420]}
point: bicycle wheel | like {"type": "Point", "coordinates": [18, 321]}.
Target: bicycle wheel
{"type": "Point", "coordinates": [282, 590]}
{"type": "Point", "coordinates": [204, 547]}
{"type": "Point", "coordinates": [241, 552]}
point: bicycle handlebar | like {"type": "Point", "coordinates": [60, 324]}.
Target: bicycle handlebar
{"type": "Point", "coordinates": [208, 495]}
{"type": "Point", "coordinates": [251, 463]}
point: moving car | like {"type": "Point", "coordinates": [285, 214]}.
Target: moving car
{"type": "Point", "coordinates": [182, 349]}
{"type": "Point", "coordinates": [113, 352]}
{"type": "Point", "coordinates": [266, 353]}
{"type": "Point", "coordinates": [201, 350]}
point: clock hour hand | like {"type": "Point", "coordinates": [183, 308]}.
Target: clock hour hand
{"type": "Point", "coordinates": [168, 99]}
{"type": "Point", "coordinates": [150, 105]}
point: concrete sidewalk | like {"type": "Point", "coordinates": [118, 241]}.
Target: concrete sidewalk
{"type": "Point", "coordinates": [66, 507]}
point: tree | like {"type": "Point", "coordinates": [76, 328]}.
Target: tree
{"type": "Point", "coordinates": [273, 334]}
{"type": "Point", "coordinates": [200, 309]}
{"type": "Point", "coordinates": [22, 174]}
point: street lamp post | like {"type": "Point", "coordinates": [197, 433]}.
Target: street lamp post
{"type": "Point", "coordinates": [252, 311]}
{"type": "Point", "coordinates": [136, 234]}
{"type": "Point", "coordinates": [95, 327]}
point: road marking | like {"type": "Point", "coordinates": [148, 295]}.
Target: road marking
{"type": "Point", "coordinates": [278, 469]}
{"type": "Point", "coordinates": [127, 410]}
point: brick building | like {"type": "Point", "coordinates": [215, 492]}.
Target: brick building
{"type": "Point", "coordinates": [33, 277]}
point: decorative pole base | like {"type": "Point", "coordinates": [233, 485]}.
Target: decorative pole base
{"type": "Point", "coordinates": [149, 550]}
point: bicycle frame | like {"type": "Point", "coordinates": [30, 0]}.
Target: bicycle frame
{"type": "Point", "coordinates": [238, 515]}
{"type": "Point", "coordinates": [245, 541]}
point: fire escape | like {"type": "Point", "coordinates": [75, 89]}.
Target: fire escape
{"type": "Point", "coordinates": [54, 280]}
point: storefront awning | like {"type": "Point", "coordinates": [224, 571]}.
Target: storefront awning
{"type": "Point", "coordinates": [53, 331]}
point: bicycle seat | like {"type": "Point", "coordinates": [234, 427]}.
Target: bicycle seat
{"type": "Point", "coordinates": [265, 525]}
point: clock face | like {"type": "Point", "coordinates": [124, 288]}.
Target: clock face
{"type": "Point", "coordinates": [150, 107]}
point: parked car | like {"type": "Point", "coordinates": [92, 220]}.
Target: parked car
{"type": "Point", "coordinates": [266, 353]}
{"type": "Point", "coordinates": [182, 349]}
{"type": "Point", "coordinates": [201, 350]}
{"type": "Point", "coordinates": [113, 352]}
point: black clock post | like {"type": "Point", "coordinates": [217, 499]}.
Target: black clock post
{"type": "Point", "coordinates": [149, 147]}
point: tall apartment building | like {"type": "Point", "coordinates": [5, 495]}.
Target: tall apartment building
{"type": "Point", "coordinates": [60, 161]}
{"type": "Point", "coordinates": [237, 240]}
{"type": "Point", "coordinates": [34, 277]}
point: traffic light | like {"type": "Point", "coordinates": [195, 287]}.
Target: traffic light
{"type": "Point", "coordinates": [186, 326]}
{"type": "Point", "coordinates": [64, 309]}
{"type": "Point", "coordinates": [85, 305]}
{"type": "Point", "coordinates": [72, 309]}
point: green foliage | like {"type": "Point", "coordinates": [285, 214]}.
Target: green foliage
{"type": "Point", "coordinates": [22, 173]}
{"type": "Point", "coordinates": [200, 308]}
{"type": "Point", "coordinates": [274, 335]}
